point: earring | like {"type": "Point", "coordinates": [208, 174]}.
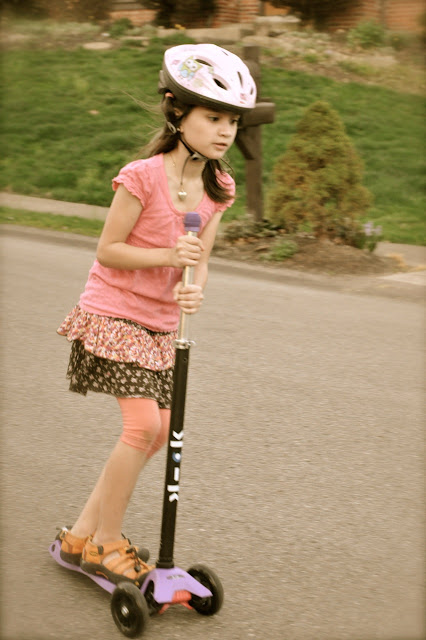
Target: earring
{"type": "Point", "coordinates": [172, 127]}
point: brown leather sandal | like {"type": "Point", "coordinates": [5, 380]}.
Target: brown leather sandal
{"type": "Point", "coordinates": [115, 561]}
{"type": "Point", "coordinates": [71, 546]}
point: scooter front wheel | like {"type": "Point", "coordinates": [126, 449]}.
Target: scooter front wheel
{"type": "Point", "coordinates": [208, 578]}
{"type": "Point", "coordinates": [129, 609]}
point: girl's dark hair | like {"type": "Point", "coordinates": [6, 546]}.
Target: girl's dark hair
{"type": "Point", "coordinates": [165, 140]}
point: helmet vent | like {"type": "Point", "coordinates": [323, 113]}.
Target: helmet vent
{"type": "Point", "coordinates": [241, 78]}
{"type": "Point", "coordinates": [203, 62]}
{"type": "Point", "coordinates": [219, 83]}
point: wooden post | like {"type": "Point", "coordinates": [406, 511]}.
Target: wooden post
{"type": "Point", "coordinates": [249, 138]}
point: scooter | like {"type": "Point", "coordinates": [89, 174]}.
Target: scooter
{"type": "Point", "coordinates": [199, 588]}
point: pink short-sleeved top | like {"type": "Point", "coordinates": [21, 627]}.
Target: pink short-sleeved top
{"type": "Point", "coordinates": [146, 295]}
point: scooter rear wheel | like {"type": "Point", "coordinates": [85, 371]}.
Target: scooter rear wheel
{"type": "Point", "coordinates": [129, 609]}
{"type": "Point", "coordinates": [209, 579]}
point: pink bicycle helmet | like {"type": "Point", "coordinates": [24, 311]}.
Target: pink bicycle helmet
{"type": "Point", "coordinates": [207, 75]}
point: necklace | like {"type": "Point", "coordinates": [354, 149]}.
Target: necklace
{"type": "Point", "coordinates": [181, 193]}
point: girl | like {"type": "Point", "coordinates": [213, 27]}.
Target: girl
{"type": "Point", "coordinates": [123, 328]}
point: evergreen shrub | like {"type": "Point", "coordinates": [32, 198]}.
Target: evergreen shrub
{"type": "Point", "coordinates": [318, 181]}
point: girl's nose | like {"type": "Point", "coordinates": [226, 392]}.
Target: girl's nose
{"type": "Point", "coordinates": [226, 130]}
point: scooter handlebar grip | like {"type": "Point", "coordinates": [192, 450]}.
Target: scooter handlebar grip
{"type": "Point", "coordinates": [192, 222]}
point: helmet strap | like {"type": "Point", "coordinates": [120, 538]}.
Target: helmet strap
{"type": "Point", "coordinates": [193, 154]}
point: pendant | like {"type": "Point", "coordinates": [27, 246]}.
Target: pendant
{"type": "Point", "coordinates": [182, 194]}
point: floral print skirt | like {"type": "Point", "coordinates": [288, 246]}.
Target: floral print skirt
{"type": "Point", "coordinates": [118, 357]}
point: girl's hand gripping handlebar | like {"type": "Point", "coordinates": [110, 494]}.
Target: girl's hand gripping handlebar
{"type": "Point", "coordinates": [192, 223]}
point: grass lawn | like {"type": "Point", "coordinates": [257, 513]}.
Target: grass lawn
{"type": "Point", "coordinates": [73, 118]}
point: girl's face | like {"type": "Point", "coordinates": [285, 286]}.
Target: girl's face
{"type": "Point", "coordinates": [208, 131]}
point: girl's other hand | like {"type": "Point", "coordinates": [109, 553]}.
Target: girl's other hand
{"type": "Point", "coordinates": [187, 251]}
{"type": "Point", "coordinates": [188, 298]}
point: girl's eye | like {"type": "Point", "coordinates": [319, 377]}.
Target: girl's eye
{"type": "Point", "coordinates": [217, 118]}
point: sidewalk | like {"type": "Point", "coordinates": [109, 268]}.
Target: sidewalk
{"type": "Point", "coordinates": [45, 205]}
{"type": "Point", "coordinates": [413, 256]}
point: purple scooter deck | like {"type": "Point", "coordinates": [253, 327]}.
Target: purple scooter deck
{"type": "Point", "coordinates": [54, 551]}
{"type": "Point", "coordinates": [166, 581]}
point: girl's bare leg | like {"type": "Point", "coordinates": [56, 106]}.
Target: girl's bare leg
{"type": "Point", "coordinates": [145, 426]}
{"type": "Point", "coordinates": [104, 511]}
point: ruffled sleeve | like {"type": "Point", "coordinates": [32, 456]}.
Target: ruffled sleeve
{"type": "Point", "coordinates": [136, 177]}
{"type": "Point", "coordinates": [228, 182]}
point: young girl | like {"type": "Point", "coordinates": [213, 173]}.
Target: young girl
{"type": "Point", "coordinates": [123, 328]}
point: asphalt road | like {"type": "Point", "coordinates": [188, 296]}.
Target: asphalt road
{"type": "Point", "coordinates": [302, 474]}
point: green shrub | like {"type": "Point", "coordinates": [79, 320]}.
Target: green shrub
{"type": "Point", "coordinates": [317, 182]}
{"type": "Point", "coordinates": [311, 58]}
{"type": "Point", "coordinates": [367, 35]}
{"type": "Point", "coordinates": [120, 27]}
{"type": "Point", "coordinates": [246, 227]}
{"type": "Point", "coordinates": [282, 249]}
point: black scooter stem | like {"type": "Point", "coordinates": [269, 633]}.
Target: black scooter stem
{"type": "Point", "coordinates": [192, 224]}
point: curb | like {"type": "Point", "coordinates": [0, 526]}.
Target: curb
{"type": "Point", "coordinates": [395, 286]}
{"type": "Point", "coordinates": [411, 255]}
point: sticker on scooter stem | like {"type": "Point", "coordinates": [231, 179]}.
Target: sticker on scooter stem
{"type": "Point", "coordinates": [177, 443]}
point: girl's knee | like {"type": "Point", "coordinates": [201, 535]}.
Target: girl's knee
{"type": "Point", "coordinates": [163, 433]}
{"type": "Point", "coordinates": [158, 443]}
{"type": "Point", "coordinates": [141, 422]}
